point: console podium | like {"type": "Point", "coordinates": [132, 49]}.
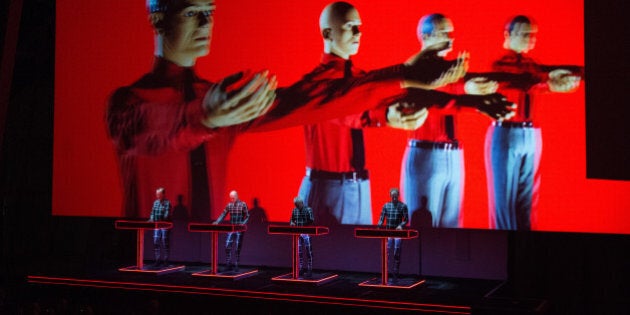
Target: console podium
{"type": "Point", "coordinates": [384, 234]}
{"type": "Point", "coordinates": [214, 230]}
{"type": "Point", "coordinates": [294, 232]}
{"type": "Point", "coordinates": [141, 227]}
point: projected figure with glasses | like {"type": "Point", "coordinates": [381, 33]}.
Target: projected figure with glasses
{"type": "Point", "coordinates": [172, 125]}
{"type": "Point", "coordinates": [513, 147]}
{"type": "Point", "coordinates": [171, 116]}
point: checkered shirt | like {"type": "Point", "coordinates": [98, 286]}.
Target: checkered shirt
{"type": "Point", "coordinates": [161, 210]}
{"type": "Point", "coordinates": [394, 214]}
{"type": "Point", "coordinates": [302, 217]}
{"type": "Point", "coordinates": [239, 214]}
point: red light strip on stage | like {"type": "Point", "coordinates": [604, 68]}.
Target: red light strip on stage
{"type": "Point", "coordinates": [377, 304]}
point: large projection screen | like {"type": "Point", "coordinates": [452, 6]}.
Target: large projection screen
{"type": "Point", "coordinates": [103, 45]}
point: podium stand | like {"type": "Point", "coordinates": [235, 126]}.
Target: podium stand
{"type": "Point", "coordinates": [294, 232]}
{"type": "Point", "coordinates": [384, 234]}
{"type": "Point", "coordinates": [141, 227]}
{"type": "Point", "coordinates": [214, 230]}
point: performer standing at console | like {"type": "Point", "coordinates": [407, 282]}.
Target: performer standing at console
{"type": "Point", "coordinates": [161, 211]}
{"type": "Point", "coordinates": [513, 148]}
{"type": "Point", "coordinates": [395, 215]}
{"type": "Point", "coordinates": [302, 215]}
{"type": "Point", "coordinates": [239, 214]}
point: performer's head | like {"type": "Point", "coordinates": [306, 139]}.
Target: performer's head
{"type": "Point", "coordinates": [520, 34]}
{"type": "Point", "coordinates": [233, 196]}
{"type": "Point", "coordinates": [183, 28]}
{"type": "Point", "coordinates": [435, 32]}
{"type": "Point", "coordinates": [298, 202]}
{"type": "Point", "coordinates": [160, 193]}
{"type": "Point", "coordinates": [394, 194]}
{"type": "Point", "coordinates": [339, 25]}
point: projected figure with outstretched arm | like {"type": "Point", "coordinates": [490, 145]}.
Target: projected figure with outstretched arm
{"type": "Point", "coordinates": [513, 147]}
{"type": "Point", "coordinates": [433, 162]}
{"type": "Point", "coordinates": [337, 184]}
{"type": "Point", "coordinates": [172, 125]}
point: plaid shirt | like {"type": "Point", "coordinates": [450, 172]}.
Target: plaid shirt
{"type": "Point", "coordinates": [397, 215]}
{"type": "Point", "coordinates": [161, 210]}
{"type": "Point", "coordinates": [302, 217]}
{"type": "Point", "coordinates": [239, 214]}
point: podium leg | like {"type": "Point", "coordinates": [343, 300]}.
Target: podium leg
{"type": "Point", "coordinates": [214, 244]}
{"type": "Point", "coordinates": [140, 249]}
{"type": "Point", "coordinates": [384, 261]}
{"type": "Point", "coordinates": [296, 258]}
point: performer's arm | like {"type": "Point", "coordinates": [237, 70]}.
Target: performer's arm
{"type": "Point", "coordinates": [292, 220]}
{"type": "Point", "coordinates": [382, 218]}
{"type": "Point", "coordinates": [222, 216]}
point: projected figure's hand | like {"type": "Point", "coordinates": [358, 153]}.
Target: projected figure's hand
{"type": "Point", "coordinates": [480, 86]}
{"type": "Point", "coordinates": [562, 81]}
{"type": "Point", "coordinates": [495, 106]}
{"type": "Point", "coordinates": [404, 116]}
{"type": "Point", "coordinates": [419, 66]}
{"type": "Point", "coordinates": [238, 99]}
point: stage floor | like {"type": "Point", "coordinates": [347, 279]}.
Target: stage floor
{"type": "Point", "coordinates": [266, 296]}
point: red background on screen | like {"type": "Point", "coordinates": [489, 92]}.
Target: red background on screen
{"type": "Point", "coordinates": [101, 45]}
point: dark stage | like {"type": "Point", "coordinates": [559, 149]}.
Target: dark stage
{"type": "Point", "coordinates": [181, 292]}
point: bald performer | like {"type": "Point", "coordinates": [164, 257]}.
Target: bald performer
{"type": "Point", "coordinates": [239, 214]}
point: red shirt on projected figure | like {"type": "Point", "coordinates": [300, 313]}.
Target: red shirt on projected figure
{"type": "Point", "coordinates": [433, 163]}
{"type": "Point", "coordinates": [171, 126]}
{"type": "Point", "coordinates": [513, 148]}
{"type": "Point", "coordinates": [163, 124]}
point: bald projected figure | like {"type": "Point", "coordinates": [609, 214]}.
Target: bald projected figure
{"type": "Point", "coordinates": [239, 214]}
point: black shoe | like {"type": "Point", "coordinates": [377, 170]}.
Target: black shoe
{"type": "Point", "coordinates": [301, 273]}
{"type": "Point", "coordinates": [156, 264]}
{"type": "Point", "coordinates": [235, 268]}
{"type": "Point", "coordinates": [309, 274]}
